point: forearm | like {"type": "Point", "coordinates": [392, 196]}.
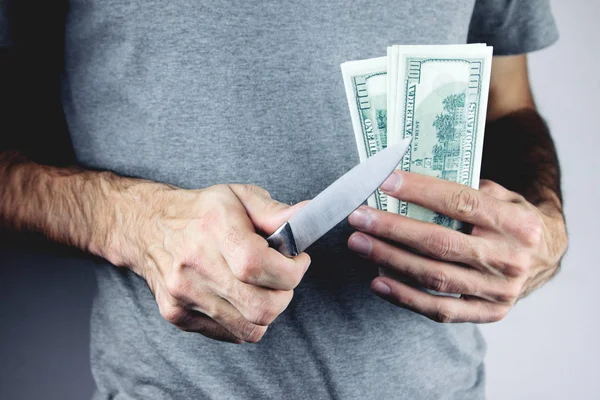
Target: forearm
{"type": "Point", "coordinates": [519, 154]}
{"type": "Point", "coordinates": [68, 205]}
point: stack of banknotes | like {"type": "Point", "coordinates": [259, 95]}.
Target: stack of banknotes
{"type": "Point", "coordinates": [436, 95]}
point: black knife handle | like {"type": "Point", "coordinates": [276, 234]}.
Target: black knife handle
{"type": "Point", "coordinates": [283, 241]}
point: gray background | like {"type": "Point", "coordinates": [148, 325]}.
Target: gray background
{"type": "Point", "coordinates": [547, 347]}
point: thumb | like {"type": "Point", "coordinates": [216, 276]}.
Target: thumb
{"type": "Point", "coordinates": [265, 213]}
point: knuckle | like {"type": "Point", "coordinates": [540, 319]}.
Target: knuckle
{"type": "Point", "coordinates": [514, 270]}
{"type": "Point", "coordinates": [441, 281]}
{"type": "Point", "coordinates": [492, 188]}
{"type": "Point", "coordinates": [481, 255]}
{"type": "Point", "coordinates": [176, 285]}
{"type": "Point", "coordinates": [269, 307]}
{"type": "Point", "coordinates": [214, 310]}
{"type": "Point", "coordinates": [264, 314]}
{"type": "Point", "coordinates": [436, 280]}
{"type": "Point", "coordinates": [215, 194]}
{"type": "Point", "coordinates": [439, 245]}
{"type": "Point", "coordinates": [220, 190]}
{"type": "Point", "coordinates": [264, 197]}
{"type": "Point", "coordinates": [444, 315]}
{"type": "Point", "coordinates": [530, 231]}
{"type": "Point", "coordinates": [252, 333]}
{"type": "Point", "coordinates": [486, 185]}
{"type": "Point", "coordinates": [509, 294]}
{"type": "Point", "coordinates": [518, 198]}
{"type": "Point", "coordinates": [518, 265]}
{"type": "Point", "coordinates": [257, 190]}
{"type": "Point", "coordinates": [262, 192]}
{"type": "Point", "coordinates": [248, 268]}
{"type": "Point", "coordinates": [463, 203]}
{"type": "Point", "coordinates": [174, 315]}
{"type": "Point", "coordinates": [498, 314]}
{"type": "Point", "coordinates": [271, 206]}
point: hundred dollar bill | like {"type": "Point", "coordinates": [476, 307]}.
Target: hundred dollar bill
{"type": "Point", "coordinates": [392, 89]}
{"type": "Point", "coordinates": [365, 83]}
{"type": "Point", "coordinates": [393, 85]}
{"type": "Point", "coordinates": [437, 95]}
{"type": "Point", "coordinates": [441, 104]}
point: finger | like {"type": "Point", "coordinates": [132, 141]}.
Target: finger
{"type": "Point", "coordinates": [265, 213]}
{"type": "Point", "coordinates": [427, 238]}
{"type": "Point", "coordinates": [454, 200]}
{"type": "Point", "coordinates": [431, 274]}
{"type": "Point", "coordinates": [195, 321]}
{"type": "Point", "coordinates": [438, 308]}
{"type": "Point", "coordinates": [184, 297]}
{"type": "Point", "coordinates": [258, 305]}
{"type": "Point", "coordinates": [224, 313]}
{"type": "Point", "coordinates": [188, 290]}
{"type": "Point", "coordinates": [252, 261]}
{"type": "Point", "coordinates": [179, 314]}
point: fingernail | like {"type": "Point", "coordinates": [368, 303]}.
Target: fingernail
{"type": "Point", "coordinates": [381, 288]}
{"type": "Point", "coordinates": [392, 183]}
{"type": "Point", "coordinates": [360, 244]}
{"type": "Point", "coordinates": [360, 219]}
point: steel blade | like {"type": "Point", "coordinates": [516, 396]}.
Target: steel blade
{"type": "Point", "coordinates": [345, 195]}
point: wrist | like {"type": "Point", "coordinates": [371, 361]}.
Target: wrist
{"type": "Point", "coordinates": [98, 212]}
{"type": "Point", "coordinates": [105, 211]}
{"type": "Point", "coordinates": [551, 205]}
{"type": "Point", "coordinates": [85, 209]}
{"type": "Point", "coordinates": [122, 215]}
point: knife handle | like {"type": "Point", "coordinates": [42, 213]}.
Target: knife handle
{"type": "Point", "coordinates": [283, 241]}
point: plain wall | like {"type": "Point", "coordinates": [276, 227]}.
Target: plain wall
{"type": "Point", "coordinates": [547, 348]}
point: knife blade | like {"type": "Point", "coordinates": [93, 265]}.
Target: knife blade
{"type": "Point", "coordinates": [336, 202]}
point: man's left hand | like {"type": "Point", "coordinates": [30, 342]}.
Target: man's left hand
{"type": "Point", "coordinates": [514, 247]}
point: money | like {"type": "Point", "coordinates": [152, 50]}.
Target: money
{"type": "Point", "coordinates": [366, 88]}
{"type": "Point", "coordinates": [441, 103]}
{"type": "Point", "coordinates": [436, 95]}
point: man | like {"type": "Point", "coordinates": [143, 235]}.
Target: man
{"type": "Point", "coordinates": [187, 104]}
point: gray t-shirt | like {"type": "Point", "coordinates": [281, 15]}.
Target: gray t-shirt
{"type": "Point", "coordinates": [206, 92]}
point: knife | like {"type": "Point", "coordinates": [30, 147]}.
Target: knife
{"type": "Point", "coordinates": [336, 202]}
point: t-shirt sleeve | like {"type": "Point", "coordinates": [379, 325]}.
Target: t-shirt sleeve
{"type": "Point", "coordinates": [513, 26]}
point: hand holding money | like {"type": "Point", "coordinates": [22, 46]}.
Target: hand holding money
{"type": "Point", "coordinates": [435, 95]}
{"type": "Point", "coordinates": [502, 260]}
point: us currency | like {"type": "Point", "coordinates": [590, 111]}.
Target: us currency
{"type": "Point", "coordinates": [441, 102]}
{"type": "Point", "coordinates": [366, 89]}
{"type": "Point", "coordinates": [436, 95]}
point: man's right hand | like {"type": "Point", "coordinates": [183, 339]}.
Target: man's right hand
{"type": "Point", "coordinates": [198, 250]}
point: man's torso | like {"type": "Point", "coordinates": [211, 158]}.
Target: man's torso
{"type": "Point", "coordinates": [200, 93]}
